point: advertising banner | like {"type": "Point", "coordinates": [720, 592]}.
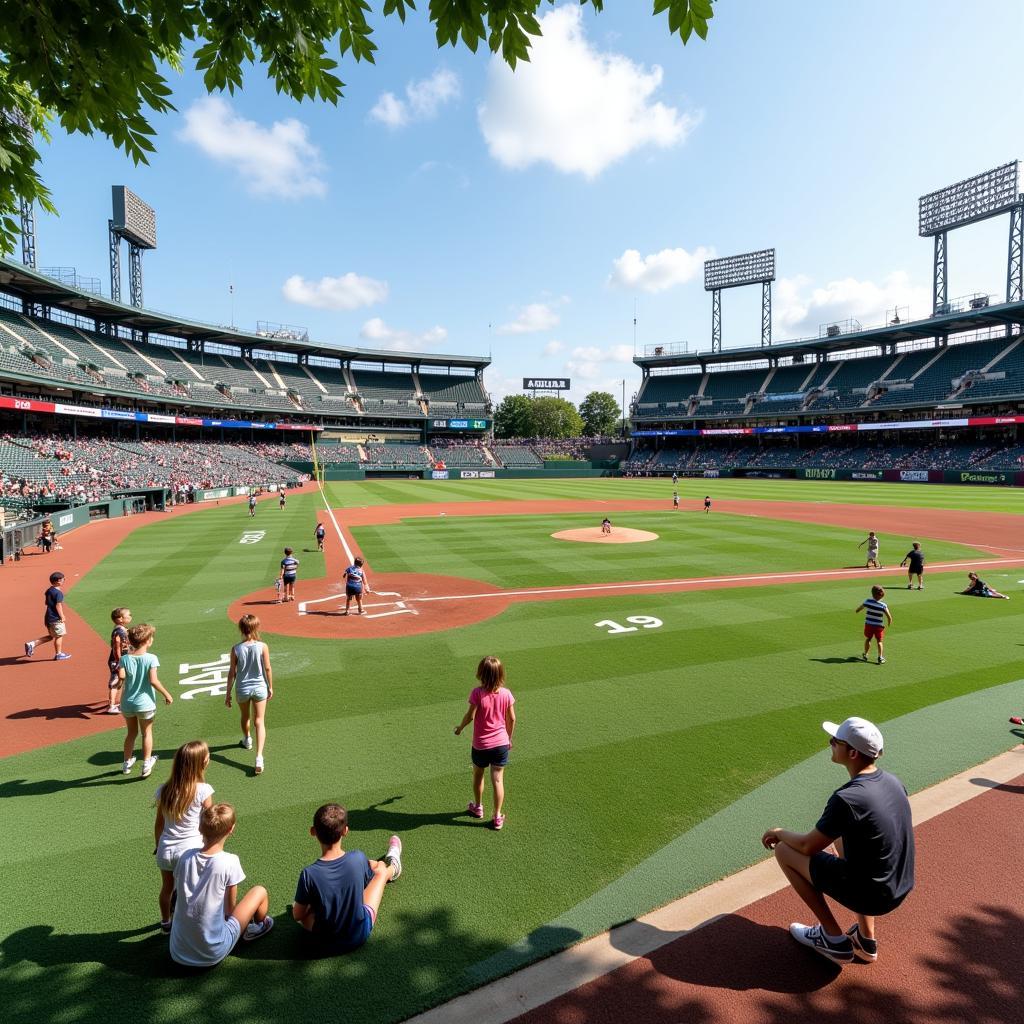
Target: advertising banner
{"type": "Point", "coordinates": [469, 474]}
{"type": "Point", "coordinates": [866, 474]}
{"type": "Point", "coordinates": [914, 476]}
{"type": "Point", "coordinates": [818, 473]}
{"type": "Point", "coordinates": [486, 474]}
{"type": "Point", "coordinates": [25, 404]}
{"type": "Point", "coordinates": [439, 474]}
{"type": "Point", "coordinates": [979, 476]}
{"type": "Point", "coordinates": [76, 410]}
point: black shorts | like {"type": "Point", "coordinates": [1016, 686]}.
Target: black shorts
{"type": "Point", "coordinates": [831, 875]}
{"type": "Point", "coordinates": [289, 580]}
{"type": "Point", "coordinates": [353, 591]}
{"type": "Point", "coordinates": [490, 757]}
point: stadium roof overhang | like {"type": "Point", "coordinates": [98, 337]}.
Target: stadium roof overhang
{"type": "Point", "coordinates": [942, 325]}
{"type": "Point", "coordinates": [30, 285]}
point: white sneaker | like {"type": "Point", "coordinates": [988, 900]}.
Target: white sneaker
{"type": "Point", "coordinates": [147, 765]}
{"type": "Point", "coordinates": [30, 646]}
{"type": "Point", "coordinates": [259, 766]}
{"type": "Point", "coordinates": [247, 743]}
{"type": "Point", "coordinates": [394, 856]}
{"type": "Point", "coordinates": [126, 767]}
{"type": "Point", "coordinates": [114, 709]}
{"type": "Point", "coordinates": [255, 931]}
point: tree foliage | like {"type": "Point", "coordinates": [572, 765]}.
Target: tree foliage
{"type": "Point", "coordinates": [514, 417]}
{"type": "Point", "coordinates": [99, 66]}
{"type": "Point", "coordinates": [600, 413]}
{"type": "Point", "coordinates": [555, 417]}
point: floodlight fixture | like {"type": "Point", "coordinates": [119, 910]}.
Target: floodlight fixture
{"type": "Point", "coordinates": [133, 220]}
{"type": "Point", "coordinates": [985, 195]}
{"type": "Point", "coordinates": [734, 271]}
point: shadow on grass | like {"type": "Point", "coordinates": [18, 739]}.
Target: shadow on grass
{"type": "Point", "coordinates": [382, 816]}
{"type": "Point", "coordinates": [851, 660]}
{"type": "Point", "coordinates": [244, 768]}
{"type": "Point", "coordinates": [46, 787]}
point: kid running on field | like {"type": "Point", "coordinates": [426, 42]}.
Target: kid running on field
{"type": "Point", "coordinates": [606, 525]}
{"type": "Point", "coordinates": [137, 673]}
{"type": "Point", "coordinates": [179, 803]}
{"type": "Point", "coordinates": [250, 668]}
{"type": "Point", "coordinates": [675, 500]}
{"type": "Point", "coordinates": [209, 917]}
{"type": "Point", "coordinates": [338, 896]}
{"type": "Point", "coordinates": [289, 572]}
{"type": "Point", "coordinates": [872, 542]}
{"type": "Point", "coordinates": [876, 612]}
{"type": "Point", "coordinates": [53, 620]}
{"type": "Point", "coordinates": [282, 501]}
{"type": "Point", "coordinates": [121, 617]}
{"type": "Point", "coordinates": [252, 506]}
{"type": "Point", "coordinates": [494, 721]}
{"type": "Point", "coordinates": [355, 583]}
{"type": "Point", "coordinates": [707, 503]}
{"type": "Point", "coordinates": [319, 533]}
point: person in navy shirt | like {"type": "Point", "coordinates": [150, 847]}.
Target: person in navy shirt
{"type": "Point", "coordinates": [355, 583]}
{"type": "Point", "coordinates": [319, 533]}
{"type": "Point", "coordinates": [338, 896]}
{"type": "Point", "coordinates": [252, 506]}
{"type": "Point", "coordinates": [53, 620]}
{"type": "Point", "coordinates": [289, 572]}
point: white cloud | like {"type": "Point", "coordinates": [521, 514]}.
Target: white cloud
{"type": "Point", "coordinates": [278, 161]}
{"type": "Point", "coordinates": [423, 100]}
{"type": "Point", "coordinates": [538, 316]}
{"type": "Point", "coordinates": [799, 308]}
{"type": "Point", "coordinates": [553, 348]}
{"type": "Point", "coordinates": [659, 270]}
{"type": "Point", "coordinates": [589, 362]}
{"type": "Point", "coordinates": [350, 291]}
{"type": "Point", "coordinates": [383, 336]}
{"type": "Point", "coordinates": [574, 106]}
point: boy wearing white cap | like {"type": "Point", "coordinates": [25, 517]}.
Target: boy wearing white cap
{"type": "Point", "coordinates": [868, 819]}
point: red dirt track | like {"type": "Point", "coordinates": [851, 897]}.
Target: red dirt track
{"type": "Point", "coordinates": [951, 953]}
{"type": "Point", "coordinates": [46, 702]}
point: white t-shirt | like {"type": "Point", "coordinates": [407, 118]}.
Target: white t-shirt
{"type": "Point", "coordinates": [200, 934]}
{"type": "Point", "coordinates": [179, 836]}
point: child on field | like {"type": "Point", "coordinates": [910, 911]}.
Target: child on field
{"type": "Point", "coordinates": [338, 896]}
{"type": "Point", "coordinates": [250, 669]}
{"type": "Point", "coordinates": [355, 583]}
{"type": "Point", "coordinates": [179, 803]}
{"type": "Point", "coordinates": [289, 572]}
{"type": "Point", "coordinates": [54, 620]}
{"type": "Point", "coordinates": [137, 673]}
{"type": "Point", "coordinates": [121, 617]}
{"type": "Point", "coordinates": [606, 525]}
{"type": "Point", "coordinates": [209, 917]}
{"type": "Point", "coordinates": [494, 721]}
{"type": "Point", "coordinates": [876, 613]}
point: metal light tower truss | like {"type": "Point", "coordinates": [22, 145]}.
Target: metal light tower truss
{"type": "Point", "coordinates": [135, 222]}
{"type": "Point", "coordinates": [981, 197]}
{"type": "Point", "coordinates": [19, 121]}
{"type": "Point", "coordinates": [734, 272]}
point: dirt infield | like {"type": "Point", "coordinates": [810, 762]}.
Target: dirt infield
{"type": "Point", "coordinates": [46, 702]}
{"type": "Point", "coordinates": [595, 535]}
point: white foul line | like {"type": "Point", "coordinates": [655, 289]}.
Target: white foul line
{"type": "Point", "coordinates": [337, 528]}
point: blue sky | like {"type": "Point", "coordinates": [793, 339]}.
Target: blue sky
{"type": "Point", "coordinates": [448, 205]}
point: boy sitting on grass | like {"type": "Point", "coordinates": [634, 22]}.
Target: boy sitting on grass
{"type": "Point", "coordinates": [338, 896]}
{"type": "Point", "coordinates": [209, 917]}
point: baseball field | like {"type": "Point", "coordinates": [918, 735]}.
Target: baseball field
{"type": "Point", "coordinates": [670, 695]}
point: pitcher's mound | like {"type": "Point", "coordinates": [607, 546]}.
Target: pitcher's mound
{"type": "Point", "coordinates": [619, 535]}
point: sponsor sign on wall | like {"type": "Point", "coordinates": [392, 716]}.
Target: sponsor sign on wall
{"type": "Point", "coordinates": [469, 474]}
{"type": "Point", "coordinates": [546, 384]}
{"type": "Point", "coordinates": [439, 474]}
{"type": "Point", "coordinates": [914, 476]}
{"type": "Point", "coordinates": [819, 473]}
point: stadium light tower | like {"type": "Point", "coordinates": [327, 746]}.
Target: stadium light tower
{"type": "Point", "coordinates": [734, 272]}
{"type": "Point", "coordinates": [20, 122]}
{"type": "Point", "coordinates": [986, 195]}
{"type": "Point", "coordinates": [135, 222]}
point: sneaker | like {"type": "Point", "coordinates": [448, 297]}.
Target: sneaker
{"type": "Point", "coordinates": [254, 931]}
{"type": "Point", "coordinates": [394, 856]}
{"type": "Point", "coordinates": [1016, 720]}
{"type": "Point", "coordinates": [126, 766]}
{"type": "Point", "coordinates": [61, 657]}
{"type": "Point", "coordinates": [165, 927]}
{"type": "Point", "coordinates": [909, 587]}
{"type": "Point", "coordinates": [921, 587]}
{"type": "Point", "coordinates": [246, 743]}
{"type": "Point", "coordinates": [477, 810]}
{"type": "Point", "coordinates": [259, 766]}
{"type": "Point", "coordinates": [863, 948]}
{"type": "Point", "coordinates": [147, 765]}
{"type": "Point", "coordinates": [839, 951]}
{"type": "Point", "coordinates": [30, 646]}
{"type": "Point", "coordinates": [881, 661]}
{"type": "Point", "coordinates": [498, 822]}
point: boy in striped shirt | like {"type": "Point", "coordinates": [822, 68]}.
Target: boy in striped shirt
{"type": "Point", "coordinates": [876, 614]}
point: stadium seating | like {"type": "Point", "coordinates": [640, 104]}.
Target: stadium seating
{"type": "Point", "coordinates": [516, 456]}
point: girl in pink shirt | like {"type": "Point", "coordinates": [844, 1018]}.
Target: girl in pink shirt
{"type": "Point", "coordinates": [494, 721]}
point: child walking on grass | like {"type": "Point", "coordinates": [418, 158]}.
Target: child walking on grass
{"type": "Point", "coordinates": [121, 617]}
{"type": "Point", "coordinates": [876, 614]}
{"type": "Point", "coordinates": [250, 669]}
{"type": "Point", "coordinates": [140, 684]}
{"type": "Point", "coordinates": [179, 803]}
{"type": "Point", "coordinates": [494, 721]}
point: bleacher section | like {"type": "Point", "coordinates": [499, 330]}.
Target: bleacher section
{"type": "Point", "coordinates": [396, 456]}
{"type": "Point", "coordinates": [516, 457]}
{"type": "Point", "coordinates": [451, 390]}
{"type": "Point", "coordinates": [462, 456]}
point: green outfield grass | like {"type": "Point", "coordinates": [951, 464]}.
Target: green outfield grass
{"type": "Point", "coordinates": [626, 741]}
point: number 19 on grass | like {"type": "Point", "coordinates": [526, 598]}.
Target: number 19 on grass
{"type": "Point", "coordinates": [639, 621]}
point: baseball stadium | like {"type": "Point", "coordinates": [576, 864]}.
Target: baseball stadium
{"type": "Point", "coordinates": [678, 605]}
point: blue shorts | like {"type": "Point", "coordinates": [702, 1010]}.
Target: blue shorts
{"type": "Point", "coordinates": [330, 945]}
{"type": "Point", "coordinates": [256, 690]}
{"type": "Point", "coordinates": [831, 875]}
{"type": "Point", "coordinates": [490, 757]}
{"type": "Point", "coordinates": [289, 580]}
{"type": "Point", "coordinates": [353, 591]}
